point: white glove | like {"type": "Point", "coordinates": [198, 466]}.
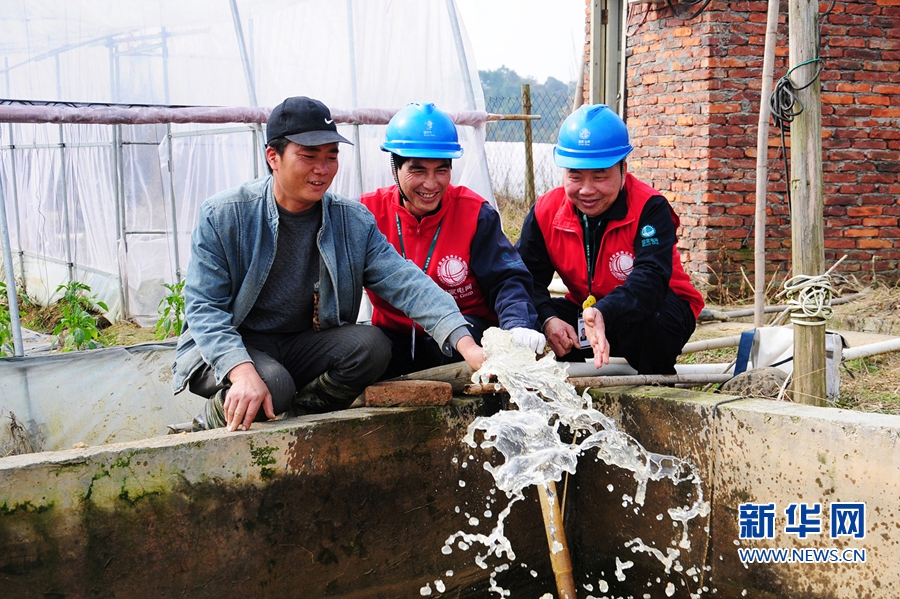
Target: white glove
{"type": "Point", "coordinates": [529, 338]}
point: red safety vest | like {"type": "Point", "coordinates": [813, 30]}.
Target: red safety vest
{"type": "Point", "coordinates": [450, 263]}
{"type": "Point", "coordinates": [564, 238]}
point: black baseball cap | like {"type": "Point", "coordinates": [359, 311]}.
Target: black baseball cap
{"type": "Point", "coordinates": [303, 121]}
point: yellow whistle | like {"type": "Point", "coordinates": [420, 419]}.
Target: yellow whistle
{"type": "Point", "coordinates": [590, 301]}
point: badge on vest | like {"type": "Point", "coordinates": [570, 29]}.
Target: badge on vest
{"type": "Point", "coordinates": [648, 232]}
{"type": "Point", "coordinates": [621, 264]}
{"type": "Point", "coordinates": [452, 270]}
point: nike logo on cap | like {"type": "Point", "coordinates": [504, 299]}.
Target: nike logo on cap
{"type": "Point", "coordinates": [329, 121]}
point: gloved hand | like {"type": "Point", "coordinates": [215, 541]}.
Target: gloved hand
{"type": "Point", "coordinates": [529, 338]}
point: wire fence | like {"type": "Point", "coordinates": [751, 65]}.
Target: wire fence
{"type": "Point", "coordinates": [505, 146]}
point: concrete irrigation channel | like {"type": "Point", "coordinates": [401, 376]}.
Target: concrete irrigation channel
{"type": "Point", "coordinates": [359, 503]}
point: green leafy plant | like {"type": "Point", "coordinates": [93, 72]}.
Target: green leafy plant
{"type": "Point", "coordinates": [171, 311]}
{"type": "Point", "coordinates": [78, 327]}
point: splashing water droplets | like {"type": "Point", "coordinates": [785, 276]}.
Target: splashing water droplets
{"type": "Point", "coordinates": [534, 453]}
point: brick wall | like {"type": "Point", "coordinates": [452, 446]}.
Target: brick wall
{"type": "Point", "coordinates": [693, 93]}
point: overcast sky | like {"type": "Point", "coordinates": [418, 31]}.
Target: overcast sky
{"type": "Point", "coordinates": [536, 38]}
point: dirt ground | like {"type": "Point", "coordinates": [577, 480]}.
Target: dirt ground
{"type": "Point", "coordinates": [868, 384]}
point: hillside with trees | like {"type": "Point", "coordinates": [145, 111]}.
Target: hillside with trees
{"type": "Point", "coordinates": [503, 95]}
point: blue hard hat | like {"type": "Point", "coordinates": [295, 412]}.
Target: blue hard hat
{"type": "Point", "coordinates": [592, 137]}
{"type": "Point", "coordinates": [422, 131]}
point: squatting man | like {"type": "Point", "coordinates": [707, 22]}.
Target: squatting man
{"type": "Point", "coordinates": [612, 240]}
{"type": "Point", "coordinates": [276, 276]}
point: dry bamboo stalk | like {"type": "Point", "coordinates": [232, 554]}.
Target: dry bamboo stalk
{"type": "Point", "coordinates": [553, 524]}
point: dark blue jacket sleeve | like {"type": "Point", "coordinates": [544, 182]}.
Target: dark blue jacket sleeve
{"type": "Point", "coordinates": [645, 289]}
{"type": "Point", "coordinates": [501, 273]}
{"type": "Point", "coordinates": [533, 250]}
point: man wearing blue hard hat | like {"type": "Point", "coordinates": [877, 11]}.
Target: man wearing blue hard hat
{"type": "Point", "coordinates": [611, 239]}
{"type": "Point", "coordinates": [453, 235]}
{"type": "Point", "coordinates": [274, 285]}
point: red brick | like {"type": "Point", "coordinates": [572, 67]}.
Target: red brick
{"type": "Point", "coordinates": [864, 211]}
{"type": "Point", "coordinates": [874, 244]}
{"type": "Point", "coordinates": [861, 232]}
{"type": "Point", "coordinates": [408, 393]}
{"type": "Point", "coordinates": [879, 222]}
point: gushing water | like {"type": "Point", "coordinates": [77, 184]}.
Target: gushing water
{"type": "Point", "coordinates": [535, 453]}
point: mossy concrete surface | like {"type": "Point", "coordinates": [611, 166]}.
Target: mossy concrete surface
{"type": "Point", "coordinates": [749, 451]}
{"type": "Point", "coordinates": [355, 504]}
{"type": "Point", "coordinates": [358, 504]}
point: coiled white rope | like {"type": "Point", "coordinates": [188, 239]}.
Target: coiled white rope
{"type": "Point", "coordinates": [809, 297]}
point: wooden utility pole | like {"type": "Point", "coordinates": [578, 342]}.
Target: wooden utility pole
{"type": "Point", "coordinates": [529, 151]}
{"type": "Point", "coordinates": [807, 206]}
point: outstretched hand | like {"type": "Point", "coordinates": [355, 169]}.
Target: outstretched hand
{"type": "Point", "coordinates": [247, 393]}
{"type": "Point", "coordinates": [561, 336]}
{"type": "Point", "coordinates": [471, 352]}
{"type": "Point", "coordinates": [595, 329]}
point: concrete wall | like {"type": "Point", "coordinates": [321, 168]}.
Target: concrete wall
{"type": "Point", "coordinates": [753, 451]}
{"type": "Point", "coordinates": [359, 503]}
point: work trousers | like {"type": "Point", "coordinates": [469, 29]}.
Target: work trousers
{"type": "Point", "coordinates": [353, 355]}
{"type": "Point", "coordinates": [650, 346]}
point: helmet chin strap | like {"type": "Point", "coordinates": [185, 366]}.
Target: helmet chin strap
{"type": "Point", "coordinates": [394, 170]}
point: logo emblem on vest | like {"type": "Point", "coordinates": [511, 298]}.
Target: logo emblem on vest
{"type": "Point", "coordinates": [452, 270]}
{"type": "Point", "coordinates": [647, 231]}
{"type": "Point", "coordinates": [621, 264]}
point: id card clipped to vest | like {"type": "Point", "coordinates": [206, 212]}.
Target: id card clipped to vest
{"type": "Point", "coordinates": [583, 341]}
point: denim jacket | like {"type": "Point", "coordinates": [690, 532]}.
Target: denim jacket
{"type": "Point", "coordinates": [233, 247]}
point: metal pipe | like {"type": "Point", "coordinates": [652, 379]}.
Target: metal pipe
{"type": "Point", "coordinates": [872, 349]}
{"type": "Point", "coordinates": [65, 198]}
{"type": "Point", "coordinates": [165, 64]}
{"type": "Point", "coordinates": [620, 367]}
{"type": "Point", "coordinates": [461, 54]}
{"type": "Point", "coordinates": [719, 343]}
{"type": "Point", "coordinates": [145, 115]}
{"type": "Point", "coordinates": [172, 212]}
{"type": "Point", "coordinates": [354, 100]}
{"type": "Point", "coordinates": [119, 191]}
{"type": "Point", "coordinates": [255, 135]}
{"type": "Point", "coordinates": [242, 47]}
{"type": "Point", "coordinates": [15, 198]}
{"type": "Point", "coordinates": [81, 267]}
{"type": "Point", "coordinates": [11, 295]}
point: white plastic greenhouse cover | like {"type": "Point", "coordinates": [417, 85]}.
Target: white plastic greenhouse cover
{"type": "Point", "coordinates": [113, 206]}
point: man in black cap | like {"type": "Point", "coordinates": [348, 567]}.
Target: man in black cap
{"type": "Point", "coordinates": [276, 276]}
